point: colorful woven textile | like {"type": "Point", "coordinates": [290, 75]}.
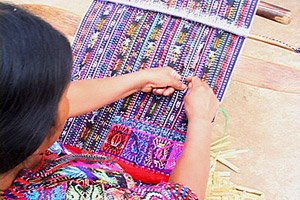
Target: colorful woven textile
{"type": "Point", "coordinates": [195, 37]}
{"type": "Point", "coordinates": [65, 175]}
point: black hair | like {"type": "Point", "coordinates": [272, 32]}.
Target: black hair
{"type": "Point", "coordinates": [35, 68]}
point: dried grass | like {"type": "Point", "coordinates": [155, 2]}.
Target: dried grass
{"type": "Point", "coordinates": [219, 185]}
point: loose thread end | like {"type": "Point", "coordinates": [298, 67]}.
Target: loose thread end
{"type": "Point", "coordinates": [226, 118]}
{"type": "Point", "coordinates": [297, 50]}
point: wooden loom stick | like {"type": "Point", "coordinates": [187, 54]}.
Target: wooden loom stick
{"type": "Point", "coordinates": [273, 12]}
{"type": "Point", "coordinates": [274, 42]}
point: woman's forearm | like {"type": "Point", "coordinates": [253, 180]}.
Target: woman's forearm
{"type": "Point", "coordinates": [192, 169]}
{"type": "Point", "coordinates": [88, 95]}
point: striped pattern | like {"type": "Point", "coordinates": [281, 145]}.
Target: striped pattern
{"type": "Point", "coordinates": [143, 129]}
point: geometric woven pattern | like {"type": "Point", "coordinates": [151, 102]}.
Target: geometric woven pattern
{"type": "Point", "coordinates": [145, 130]}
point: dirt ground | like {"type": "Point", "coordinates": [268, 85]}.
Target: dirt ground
{"type": "Point", "coordinates": [264, 121]}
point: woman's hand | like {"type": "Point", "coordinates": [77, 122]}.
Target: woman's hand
{"type": "Point", "coordinates": [161, 81]}
{"type": "Point", "coordinates": [200, 101]}
{"type": "Point", "coordinates": [103, 91]}
{"type": "Point", "coordinates": [193, 167]}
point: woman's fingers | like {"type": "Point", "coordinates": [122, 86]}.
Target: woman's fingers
{"type": "Point", "coordinates": [200, 101]}
{"type": "Point", "coordinates": [158, 92]}
{"type": "Point", "coordinates": [196, 81]}
{"type": "Point", "coordinates": [164, 91]}
{"type": "Point", "coordinates": [178, 85]}
{"type": "Point", "coordinates": [168, 91]}
{"type": "Point", "coordinates": [189, 79]}
{"type": "Point", "coordinates": [175, 75]}
{"type": "Point", "coordinates": [193, 79]}
{"type": "Point", "coordinates": [175, 81]}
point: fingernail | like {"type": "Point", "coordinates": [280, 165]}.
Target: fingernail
{"type": "Point", "coordinates": [183, 86]}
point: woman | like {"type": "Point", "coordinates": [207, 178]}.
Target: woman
{"type": "Point", "coordinates": [36, 98]}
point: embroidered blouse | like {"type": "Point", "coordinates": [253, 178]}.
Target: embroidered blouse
{"type": "Point", "coordinates": [64, 175]}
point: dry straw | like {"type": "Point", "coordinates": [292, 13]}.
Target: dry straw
{"type": "Point", "coordinates": [219, 185]}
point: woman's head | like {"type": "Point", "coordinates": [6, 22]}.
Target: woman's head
{"type": "Point", "coordinates": [35, 67]}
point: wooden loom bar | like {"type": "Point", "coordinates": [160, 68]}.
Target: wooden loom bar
{"type": "Point", "coordinates": [273, 12]}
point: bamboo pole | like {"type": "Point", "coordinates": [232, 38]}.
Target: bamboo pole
{"type": "Point", "coordinates": [274, 12]}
